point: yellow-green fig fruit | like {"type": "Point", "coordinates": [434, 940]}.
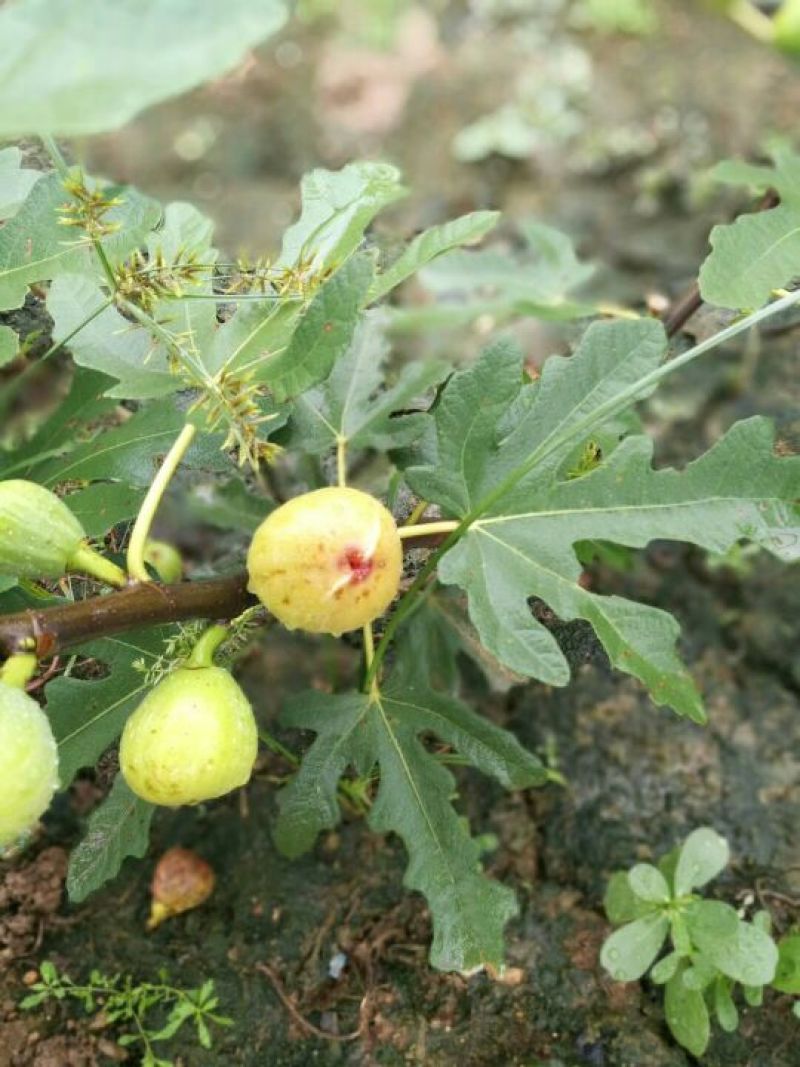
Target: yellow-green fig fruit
{"type": "Point", "coordinates": [41, 538]}
{"type": "Point", "coordinates": [327, 561]}
{"type": "Point", "coordinates": [166, 559]}
{"type": "Point", "coordinates": [192, 738]}
{"type": "Point", "coordinates": [28, 763]}
{"type": "Point", "coordinates": [39, 535]}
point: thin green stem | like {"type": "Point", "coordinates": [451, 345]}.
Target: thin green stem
{"type": "Point", "coordinates": [144, 520]}
{"type": "Point", "coordinates": [17, 671]}
{"type": "Point", "coordinates": [341, 461]}
{"type": "Point", "coordinates": [274, 745]}
{"type": "Point", "coordinates": [417, 513]}
{"type": "Point", "coordinates": [427, 529]}
{"type": "Point", "coordinates": [206, 645]}
{"type": "Point", "coordinates": [371, 684]}
{"type": "Point", "coordinates": [573, 431]}
{"type": "Point", "coordinates": [751, 20]}
{"type": "Point", "coordinates": [88, 561]}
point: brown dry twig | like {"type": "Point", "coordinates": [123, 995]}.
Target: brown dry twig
{"type": "Point", "coordinates": [302, 1022]}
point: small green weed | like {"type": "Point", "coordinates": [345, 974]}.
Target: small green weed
{"type": "Point", "coordinates": [121, 1001]}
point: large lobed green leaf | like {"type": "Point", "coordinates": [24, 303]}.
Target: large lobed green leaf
{"type": "Point", "coordinates": [131, 452]}
{"type": "Point", "coordinates": [112, 344]}
{"type": "Point", "coordinates": [413, 800]}
{"type": "Point", "coordinates": [537, 281]}
{"type": "Point", "coordinates": [88, 715]}
{"type": "Point", "coordinates": [337, 207]}
{"type": "Point", "coordinates": [16, 181]}
{"type": "Point", "coordinates": [758, 252]}
{"type": "Point", "coordinates": [35, 247]}
{"type": "Point", "coordinates": [491, 430]}
{"type": "Point", "coordinates": [74, 69]}
{"type": "Point", "coordinates": [120, 827]}
{"type": "Point", "coordinates": [352, 407]}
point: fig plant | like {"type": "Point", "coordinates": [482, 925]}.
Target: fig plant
{"type": "Point", "coordinates": [203, 380]}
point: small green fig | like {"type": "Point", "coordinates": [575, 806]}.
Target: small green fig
{"type": "Point", "coordinates": [192, 738]}
{"type": "Point", "coordinates": [28, 761]}
{"type": "Point", "coordinates": [41, 538]}
{"type": "Point", "coordinates": [166, 560]}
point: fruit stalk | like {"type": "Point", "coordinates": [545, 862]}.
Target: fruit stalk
{"type": "Point", "coordinates": [144, 520]}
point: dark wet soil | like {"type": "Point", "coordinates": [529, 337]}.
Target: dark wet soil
{"type": "Point", "coordinates": [638, 779]}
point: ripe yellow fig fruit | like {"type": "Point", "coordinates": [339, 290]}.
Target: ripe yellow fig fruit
{"type": "Point", "coordinates": [327, 561]}
{"type": "Point", "coordinates": [28, 763]}
{"type": "Point", "coordinates": [192, 738]}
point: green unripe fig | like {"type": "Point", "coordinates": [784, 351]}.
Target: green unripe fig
{"type": "Point", "coordinates": [192, 738]}
{"type": "Point", "coordinates": [327, 561]}
{"type": "Point", "coordinates": [166, 560]}
{"type": "Point", "coordinates": [28, 763]}
{"type": "Point", "coordinates": [39, 535]}
{"type": "Point", "coordinates": [41, 538]}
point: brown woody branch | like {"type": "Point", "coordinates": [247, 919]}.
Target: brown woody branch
{"type": "Point", "coordinates": [49, 630]}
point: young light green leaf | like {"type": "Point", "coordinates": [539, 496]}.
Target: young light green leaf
{"type": "Point", "coordinates": [631, 949]}
{"type": "Point", "coordinates": [538, 282]}
{"type": "Point", "coordinates": [687, 1015]}
{"type": "Point", "coordinates": [35, 247]}
{"type": "Point", "coordinates": [118, 828]}
{"type": "Point", "coordinates": [116, 59]}
{"type": "Point", "coordinates": [128, 352]}
{"type": "Point", "coordinates": [16, 181]}
{"type": "Point", "coordinates": [787, 974]}
{"type": "Point", "coordinates": [758, 252]}
{"type": "Point", "coordinates": [429, 245]}
{"type": "Point", "coordinates": [337, 207]}
{"type": "Point", "coordinates": [413, 800]}
{"type": "Point", "coordinates": [736, 948]}
{"type": "Point", "coordinates": [665, 968]}
{"type": "Point", "coordinates": [648, 883]}
{"type": "Point", "coordinates": [679, 933]}
{"type": "Point", "coordinates": [700, 973]}
{"type": "Point", "coordinates": [724, 1007]}
{"type": "Point", "coordinates": [86, 716]}
{"type": "Point", "coordinates": [753, 995]}
{"type": "Point", "coordinates": [353, 408]}
{"type": "Point", "coordinates": [703, 856]}
{"type": "Point", "coordinates": [620, 902]}
{"type": "Point", "coordinates": [322, 335]}
{"type": "Point", "coordinates": [107, 342]}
